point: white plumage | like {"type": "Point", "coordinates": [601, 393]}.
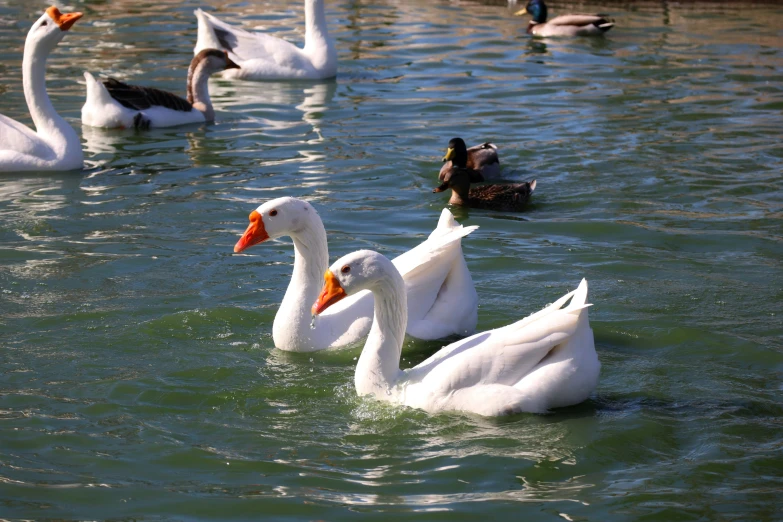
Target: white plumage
{"type": "Point", "coordinates": [437, 281]}
{"type": "Point", "coordinates": [544, 361]}
{"type": "Point", "coordinates": [265, 57]}
{"type": "Point", "coordinates": [54, 145]}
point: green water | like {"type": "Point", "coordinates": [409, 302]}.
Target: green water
{"type": "Point", "coordinates": [138, 377]}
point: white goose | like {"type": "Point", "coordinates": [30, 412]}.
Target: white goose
{"type": "Point", "coordinates": [55, 145]}
{"type": "Point", "coordinates": [114, 104]}
{"type": "Point", "coordinates": [265, 57]}
{"type": "Point", "coordinates": [436, 278]}
{"type": "Point", "coordinates": [544, 361]}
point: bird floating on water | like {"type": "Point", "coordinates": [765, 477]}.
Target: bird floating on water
{"type": "Point", "coordinates": [54, 145]}
{"type": "Point", "coordinates": [115, 104]}
{"type": "Point", "coordinates": [266, 57]}
{"type": "Point", "coordinates": [563, 25]}
{"type": "Point", "coordinates": [544, 361]}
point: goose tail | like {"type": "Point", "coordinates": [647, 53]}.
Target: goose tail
{"type": "Point", "coordinates": [207, 39]}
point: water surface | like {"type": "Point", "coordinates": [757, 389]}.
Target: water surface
{"type": "Point", "coordinates": [138, 377]}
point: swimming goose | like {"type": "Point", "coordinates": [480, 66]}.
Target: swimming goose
{"type": "Point", "coordinates": [265, 57]}
{"type": "Point", "coordinates": [114, 104]}
{"type": "Point", "coordinates": [480, 158]}
{"type": "Point", "coordinates": [544, 361]}
{"type": "Point", "coordinates": [564, 25]}
{"type": "Point", "coordinates": [438, 283]}
{"type": "Point", "coordinates": [54, 145]}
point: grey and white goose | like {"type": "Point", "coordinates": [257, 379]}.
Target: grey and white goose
{"type": "Point", "coordinates": [115, 104]}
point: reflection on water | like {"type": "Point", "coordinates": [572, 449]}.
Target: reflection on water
{"type": "Point", "coordinates": [138, 366]}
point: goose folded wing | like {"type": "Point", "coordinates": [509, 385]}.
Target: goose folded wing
{"type": "Point", "coordinates": [140, 98]}
{"type": "Point", "coordinates": [18, 137]}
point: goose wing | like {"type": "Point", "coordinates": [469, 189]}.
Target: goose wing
{"type": "Point", "coordinates": [19, 138]}
{"type": "Point", "coordinates": [505, 355]}
{"type": "Point", "coordinates": [246, 45]}
{"type": "Point", "coordinates": [139, 98]}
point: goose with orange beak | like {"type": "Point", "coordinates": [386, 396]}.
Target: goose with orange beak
{"type": "Point", "coordinates": [547, 360]}
{"type": "Point", "coordinates": [436, 278]}
{"type": "Point", "coordinates": [54, 145]}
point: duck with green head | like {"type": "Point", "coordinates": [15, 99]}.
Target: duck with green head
{"type": "Point", "coordinates": [507, 197]}
{"type": "Point", "coordinates": [482, 160]}
{"type": "Point", "coordinates": [564, 25]}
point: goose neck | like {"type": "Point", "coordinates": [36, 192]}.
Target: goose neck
{"type": "Point", "coordinates": [378, 369]}
{"type": "Point", "coordinates": [47, 122]}
{"type": "Point", "coordinates": [316, 32]}
{"type": "Point", "coordinates": [198, 88]}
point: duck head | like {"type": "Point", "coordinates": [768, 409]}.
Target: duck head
{"type": "Point", "coordinates": [48, 30]}
{"type": "Point", "coordinates": [457, 153]}
{"type": "Point", "coordinates": [276, 218]}
{"type": "Point", "coordinates": [536, 9]}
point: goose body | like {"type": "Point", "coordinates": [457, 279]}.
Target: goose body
{"type": "Point", "coordinates": [544, 361]}
{"type": "Point", "coordinates": [436, 278]}
{"type": "Point", "coordinates": [115, 104]}
{"type": "Point", "coordinates": [54, 145]}
{"type": "Point", "coordinates": [481, 158]}
{"type": "Point", "coordinates": [564, 25]}
{"type": "Point", "coordinates": [265, 57]}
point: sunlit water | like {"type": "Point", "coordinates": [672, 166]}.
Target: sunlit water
{"type": "Point", "coordinates": [139, 377]}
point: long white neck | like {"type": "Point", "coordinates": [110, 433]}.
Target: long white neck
{"type": "Point", "coordinates": [378, 369]}
{"type": "Point", "coordinates": [198, 89]}
{"type": "Point", "coordinates": [311, 259]}
{"type": "Point", "coordinates": [319, 47]}
{"type": "Point", "coordinates": [50, 126]}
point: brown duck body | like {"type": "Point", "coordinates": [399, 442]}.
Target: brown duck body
{"type": "Point", "coordinates": [511, 197]}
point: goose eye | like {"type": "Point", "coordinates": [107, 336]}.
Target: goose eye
{"type": "Point", "coordinates": [273, 213]}
{"type": "Point", "coordinates": [44, 23]}
{"type": "Point", "coordinates": [345, 269]}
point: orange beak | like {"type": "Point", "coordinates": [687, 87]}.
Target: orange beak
{"type": "Point", "coordinates": [255, 233]}
{"type": "Point", "coordinates": [65, 21]}
{"type": "Point", "coordinates": [330, 294]}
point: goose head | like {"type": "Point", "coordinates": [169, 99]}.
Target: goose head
{"type": "Point", "coordinates": [276, 218]}
{"type": "Point", "coordinates": [354, 272]}
{"type": "Point", "coordinates": [213, 60]}
{"type": "Point", "coordinates": [48, 30]}
{"type": "Point", "coordinates": [457, 153]}
{"type": "Point", "coordinates": [536, 9]}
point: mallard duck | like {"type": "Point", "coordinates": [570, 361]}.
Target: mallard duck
{"type": "Point", "coordinates": [460, 175]}
{"type": "Point", "coordinates": [482, 159]}
{"type": "Point", "coordinates": [54, 145]}
{"type": "Point", "coordinates": [114, 104]}
{"type": "Point", "coordinates": [266, 57]}
{"type": "Point", "coordinates": [439, 287]}
{"type": "Point", "coordinates": [544, 361]}
{"type": "Point", "coordinates": [564, 25]}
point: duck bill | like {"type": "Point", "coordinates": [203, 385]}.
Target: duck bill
{"type": "Point", "coordinates": [441, 188]}
{"type": "Point", "coordinates": [330, 294]}
{"type": "Point", "coordinates": [449, 155]}
{"type": "Point", "coordinates": [521, 12]}
{"type": "Point", "coordinates": [64, 21]}
{"type": "Point", "coordinates": [255, 233]}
